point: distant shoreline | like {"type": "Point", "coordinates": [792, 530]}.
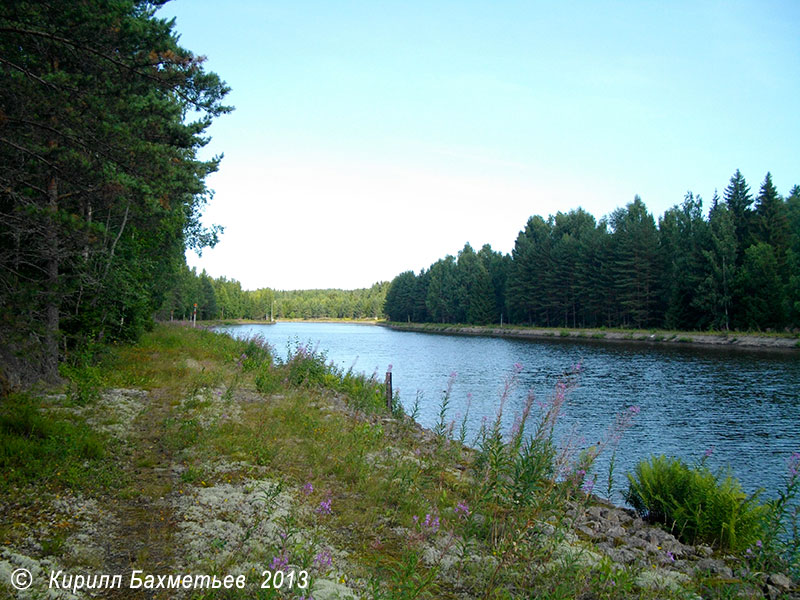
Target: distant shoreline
{"type": "Point", "coordinates": [746, 341]}
{"type": "Point", "coordinates": [223, 322]}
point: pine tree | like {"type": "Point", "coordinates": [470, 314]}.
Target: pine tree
{"type": "Point", "coordinates": [715, 291]}
{"type": "Point", "coordinates": [475, 288]}
{"type": "Point", "coordinates": [498, 266]}
{"type": "Point", "coordinates": [100, 186]}
{"type": "Point", "coordinates": [683, 238]}
{"type": "Point", "coordinates": [530, 274]}
{"type": "Point", "coordinates": [760, 289]}
{"type": "Point", "coordinates": [772, 220]}
{"type": "Point", "coordinates": [635, 264]}
{"type": "Point", "coordinates": [738, 198]}
{"type": "Point", "coordinates": [400, 301]}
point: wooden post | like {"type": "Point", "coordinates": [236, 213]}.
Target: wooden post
{"type": "Point", "coordinates": [389, 390]}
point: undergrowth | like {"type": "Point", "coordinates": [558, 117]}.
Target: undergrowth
{"type": "Point", "coordinates": [378, 504]}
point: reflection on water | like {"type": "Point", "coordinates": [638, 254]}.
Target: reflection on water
{"type": "Point", "coordinates": [745, 405]}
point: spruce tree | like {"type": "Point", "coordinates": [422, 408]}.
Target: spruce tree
{"type": "Point", "coordinates": [738, 198]}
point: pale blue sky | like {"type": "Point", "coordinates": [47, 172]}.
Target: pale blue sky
{"type": "Point", "coordinates": [371, 138]}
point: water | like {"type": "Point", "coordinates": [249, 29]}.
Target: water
{"type": "Point", "coordinates": [743, 404]}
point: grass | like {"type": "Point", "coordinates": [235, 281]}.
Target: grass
{"type": "Point", "coordinates": [306, 462]}
{"type": "Point", "coordinates": [57, 452]}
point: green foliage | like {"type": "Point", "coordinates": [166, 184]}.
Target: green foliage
{"type": "Point", "coordinates": [100, 185]}
{"type": "Point", "coordinates": [37, 445]}
{"type": "Point", "coordinates": [696, 504]}
{"type": "Point", "coordinates": [224, 298]}
{"type": "Point", "coordinates": [690, 272]}
{"type": "Point", "coordinates": [760, 288]}
{"type": "Point", "coordinates": [307, 367]}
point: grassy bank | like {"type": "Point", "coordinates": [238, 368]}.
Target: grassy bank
{"type": "Point", "coordinates": [729, 339]}
{"type": "Point", "coordinates": [191, 452]}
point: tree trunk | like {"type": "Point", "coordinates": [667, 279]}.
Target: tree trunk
{"type": "Point", "coordinates": [52, 301]}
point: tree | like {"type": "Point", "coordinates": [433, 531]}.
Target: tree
{"type": "Point", "coordinates": [529, 277]}
{"type": "Point", "coordinates": [635, 263]}
{"type": "Point", "coordinates": [399, 304]}
{"type": "Point", "coordinates": [100, 186]}
{"type": "Point", "coordinates": [760, 289]}
{"type": "Point", "coordinates": [738, 198]}
{"type": "Point", "coordinates": [715, 292]}
{"type": "Point", "coordinates": [475, 293]}
{"type": "Point", "coordinates": [498, 266]}
{"type": "Point", "coordinates": [683, 237]}
{"type": "Point", "coordinates": [772, 222]}
{"type": "Point", "coordinates": [441, 299]}
{"type": "Point", "coordinates": [793, 257]}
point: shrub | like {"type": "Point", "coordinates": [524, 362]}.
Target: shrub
{"type": "Point", "coordinates": [268, 379]}
{"type": "Point", "coordinates": [696, 504]}
{"type": "Point", "coordinates": [306, 367]}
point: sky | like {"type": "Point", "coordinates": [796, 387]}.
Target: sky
{"type": "Point", "coordinates": [371, 138]}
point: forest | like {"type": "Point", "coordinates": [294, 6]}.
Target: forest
{"type": "Point", "coordinates": [223, 298]}
{"type": "Point", "coordinates": [102, 115]}
{"type": "Point", "coordinates": [736, 267]}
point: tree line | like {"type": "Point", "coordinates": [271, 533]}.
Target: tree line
{"type": "Point", "coordinates": [223, 298]}
{"type": "Point", "coordinates": [102, 115]}
{"type": "Point", "coordinates": [736, 267]}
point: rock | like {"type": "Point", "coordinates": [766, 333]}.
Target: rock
{"type": "Point", "coordinates": [588, 532]}
{"type": "Point", "coordinates": [616, 532]}
{"type": "Point", "coordinates": [624, 516]}
{"type": "Point", "coordinates": [596, 512]}
{"type": "Point", "coordinates": [749, 592]}
{"type": "Point", "coordinates": [325, 589]}
{"type": "Point", "coordinates": [621, 555]}
{"type": "Point", "coordinates": [703, 550]}
{"type": "Point", "coordinates": [780, 581]}
{"type": "Point", "coordinates": [715, 567]}
{"type": "Point", "coordinates": [661, 579]}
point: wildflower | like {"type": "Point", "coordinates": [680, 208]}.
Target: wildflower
{"type": "Point", "coordinates": [670, 556]}
{"type": "Point", "coordinates": [323, 560]}
{"type": "Point", "coordinates": [432, 522]}
{"type": "Point", "coordinates": [462, 509]}
{"type": "Point", "coordinates": [279, 562]}
{"type": "Point", "coordinates": [588, 486]}
{"type": "Point", "coordinates": [518, 366]}
{"type": "Point", "coordinates": [308, 488]}
{"type": "Point", "coordinates": [324, 507]}
{"type": "Point", "coordinates": [634, 410]}
{"type": "Point", "coordinates": [709, 452]}
{"type": "Point", "coordinates": [758, 543]}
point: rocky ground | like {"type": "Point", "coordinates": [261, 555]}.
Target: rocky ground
{"type": "Point", "coordinates": [719, 340]}
{"type": "Point", "coordinates": [184, 511]}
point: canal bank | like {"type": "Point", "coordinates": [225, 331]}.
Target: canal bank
{"type": "Point", "coordinates": [719, 340]}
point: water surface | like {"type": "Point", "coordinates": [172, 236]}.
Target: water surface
{"type": "Point", "coordinates": [745, 405]}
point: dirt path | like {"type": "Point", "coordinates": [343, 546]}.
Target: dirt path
{"type": "Point", "coordinates": [143, 517]}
